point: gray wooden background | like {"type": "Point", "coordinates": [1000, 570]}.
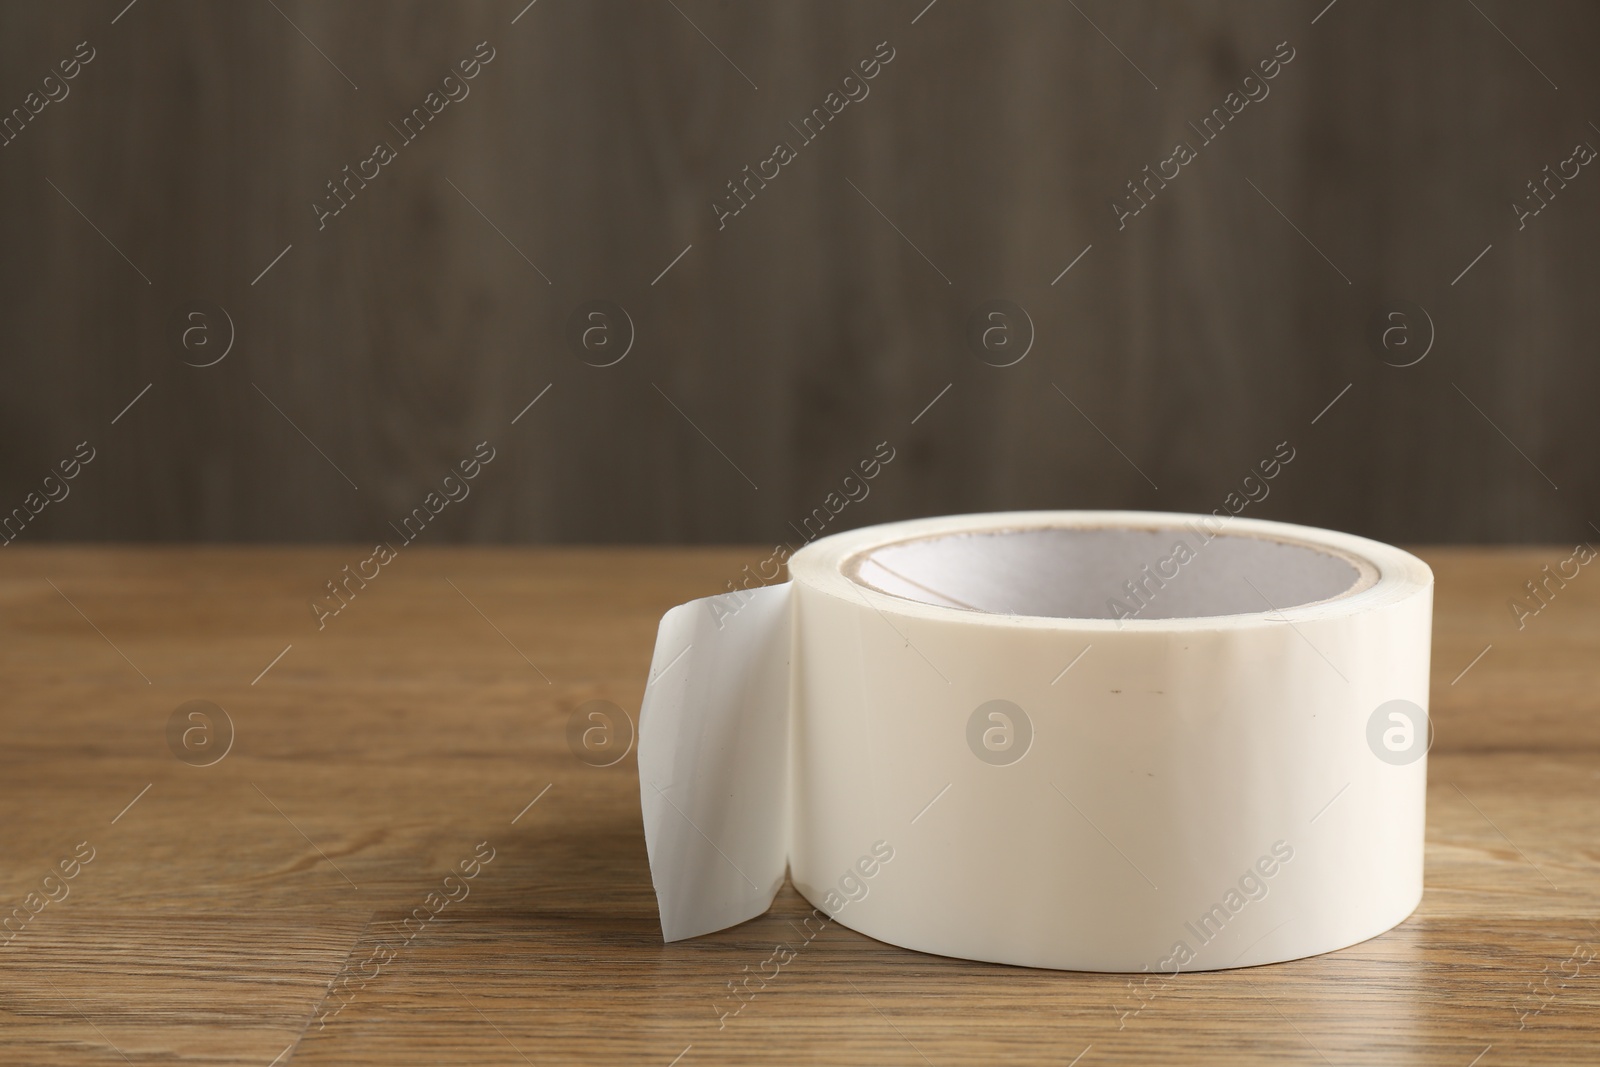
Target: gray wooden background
{"type": "Point", "coordinates": [769, 357]}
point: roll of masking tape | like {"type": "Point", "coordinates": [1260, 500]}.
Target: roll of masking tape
{"type": "Point", "coordinates": [1101, 741]}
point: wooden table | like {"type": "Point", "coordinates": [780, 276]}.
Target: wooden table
{"type": "Point", "coordinates": [254, 908]}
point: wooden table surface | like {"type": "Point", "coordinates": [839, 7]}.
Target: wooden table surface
{"type": "Point", "coordinates": [252, 911]}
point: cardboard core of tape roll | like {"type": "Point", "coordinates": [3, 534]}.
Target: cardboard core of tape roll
{"type": "Point", "coordinates": [1157, 572]}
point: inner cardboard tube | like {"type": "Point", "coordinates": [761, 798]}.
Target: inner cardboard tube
{"type": "Point", "coordinates": [1111, 572]}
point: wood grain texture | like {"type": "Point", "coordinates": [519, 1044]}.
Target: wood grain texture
{"type": "Point", "coordinates": [826, 315]}
{"type": "Point", "coordinates": [243, 911]}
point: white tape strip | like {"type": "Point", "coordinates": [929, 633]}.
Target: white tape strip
{"type": "Point", "coordinates": [1108, 741]}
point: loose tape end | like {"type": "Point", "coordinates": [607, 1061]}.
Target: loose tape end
{"type": "Point", "coordinates": [713, 760]}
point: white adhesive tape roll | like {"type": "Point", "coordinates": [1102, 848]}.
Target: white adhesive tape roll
{"type": "Point", "coordinates": [1104, 741]}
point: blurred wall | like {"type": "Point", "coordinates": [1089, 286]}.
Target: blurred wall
{"type": "Point", "coordinates": [893, 290]}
